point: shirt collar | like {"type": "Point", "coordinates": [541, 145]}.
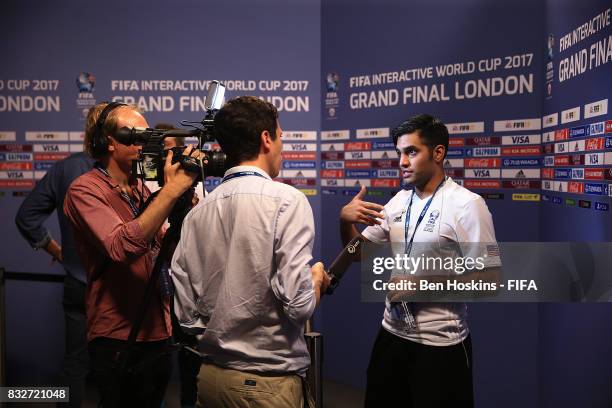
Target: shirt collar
{"type": "Point", "coordinates": [237, 169]}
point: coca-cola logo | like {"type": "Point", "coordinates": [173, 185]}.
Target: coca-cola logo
{"type": "Point", "coordinates": [593, 144]}
{"type": "Point", "coordinates": [482, 163]}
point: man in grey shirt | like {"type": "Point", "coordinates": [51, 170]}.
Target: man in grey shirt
{"type": "Point", "coordinates": [241, 269]}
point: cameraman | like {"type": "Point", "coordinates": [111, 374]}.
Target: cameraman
{"type": "Point", "coordinates": [241, 270]}
{"type": "Point", "coordinates": [118, 246]}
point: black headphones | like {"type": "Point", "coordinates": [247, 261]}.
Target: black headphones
{"type": "Point", "coordinates": [99, 141]}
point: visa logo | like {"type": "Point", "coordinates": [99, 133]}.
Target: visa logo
{"type": "Point", "coordinates": [520, 139]}
{"type": "Point", "coordinates": [482, 173]}
{"type": "Point", "coordinates": [51, 148]}
{"type": "Point", "coordinates": [593, 159]}
{"type": "Point", "coordinates": [357, 155]}
{"type": "Point", "coordinates": [15, 174]}
{"type": "Point", "coordinates": [298, 147]}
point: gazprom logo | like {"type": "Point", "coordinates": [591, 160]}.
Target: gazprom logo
{"type": "Point", "coordinates": [486, 151]}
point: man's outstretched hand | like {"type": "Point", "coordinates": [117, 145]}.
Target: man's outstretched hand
{"type": "Point", "coordinates": [358, 211]}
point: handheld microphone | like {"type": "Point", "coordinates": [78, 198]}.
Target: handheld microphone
{"type": "Point", "coordinates": [338, 268]}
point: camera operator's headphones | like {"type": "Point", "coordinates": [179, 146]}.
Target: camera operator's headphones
{"type": "Point", "coordinates": [99, 141]}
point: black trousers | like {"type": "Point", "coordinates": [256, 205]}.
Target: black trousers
{"type": "Point", "coordinates": [188, 363]}
{"type": "Point", "coordinates": [145, 380]}
{"type": "Point", "coordinates": [76, 359]}
{"type": "Point", "coordinates": [403, 373]}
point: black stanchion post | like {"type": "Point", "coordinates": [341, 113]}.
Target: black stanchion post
{"type": "Point", "coordinates": [2, 331]}
{"type": "Point", "coordinates": [314, 376]}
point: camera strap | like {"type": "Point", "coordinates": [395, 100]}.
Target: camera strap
{"type": "Point", "coordinates": [124, 195]}
{"type": "Point", "coordinates": [102, 267]}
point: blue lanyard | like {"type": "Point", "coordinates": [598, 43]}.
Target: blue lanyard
{"type": "Point", "coordinates": [125, 196]}
{"type": "Point", "coordinates": [408, 244]}
{"type": "Point", "coordinates": [241, 174]}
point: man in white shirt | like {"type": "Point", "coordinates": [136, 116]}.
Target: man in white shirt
{"type": "Point", "coordinates": [241, 269]}
{"type": "Point", "coordinates": [422, 355]}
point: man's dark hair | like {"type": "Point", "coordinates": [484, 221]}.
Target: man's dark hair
{"type": "Point", "coordinates": [238, 127]}
{"type": "Point", "coordinates": [431, 131]}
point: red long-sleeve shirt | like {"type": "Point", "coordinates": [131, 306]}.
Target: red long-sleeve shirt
{"type": "Point", "coordinates": [117, 259]}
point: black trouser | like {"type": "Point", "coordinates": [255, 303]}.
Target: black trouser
{"type": "Point", "coordinates": [403, 373]}
{"type": "Point", "coordinates": [145, 379]}
{"type": "Point", "coordinates": [188, 363]}
{"type": "Point", "coordinates": [76, 358]}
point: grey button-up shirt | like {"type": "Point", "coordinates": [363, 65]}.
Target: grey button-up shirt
{"type": "Point", "coordinates": [241, 270]}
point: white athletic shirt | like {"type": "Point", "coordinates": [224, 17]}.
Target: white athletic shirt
{"type": "Point", "coordinates": [455, 214]}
